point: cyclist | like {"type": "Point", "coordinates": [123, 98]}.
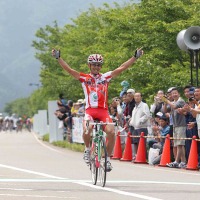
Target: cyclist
{"type": "Point", "coordinates": [95, 87]}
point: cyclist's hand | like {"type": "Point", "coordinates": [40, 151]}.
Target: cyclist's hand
{"type": "Point", "coordinates": [55, 53]}
{"type": "Point", "coordinates": [138, 53]}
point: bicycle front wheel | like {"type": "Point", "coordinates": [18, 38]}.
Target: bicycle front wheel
{"type": "Point", "coordinates": [103, 162]}
{"type": "Point", "coordinates": [93, 167]}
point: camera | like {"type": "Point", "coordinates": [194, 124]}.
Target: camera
{"type": "Point", "coordinates": [191, 99]}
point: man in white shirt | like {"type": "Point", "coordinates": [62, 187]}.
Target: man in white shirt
{"type": "Point", "coordinates": [139, 120]}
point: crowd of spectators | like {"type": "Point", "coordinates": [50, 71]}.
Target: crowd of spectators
{"type": "Point", "coordinates": [66, 110]}
{"type": "Point", "coordinates": [168, 114]}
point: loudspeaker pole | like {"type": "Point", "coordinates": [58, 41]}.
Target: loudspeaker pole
{"type": "Point", "coordinates": [191, 66]}
{"type": "Point", "coordinates": [189, 41]}
{"type": "Point", "coordinates": [196, 63]}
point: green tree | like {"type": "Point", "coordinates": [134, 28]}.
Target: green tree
{"type": "Point", "coordinates": [116, 33]}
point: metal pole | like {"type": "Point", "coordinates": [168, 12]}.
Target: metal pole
{"type": "Point", "coordinates": [197, 66]}
{"type": "Point", "coordinates": [191, 67]}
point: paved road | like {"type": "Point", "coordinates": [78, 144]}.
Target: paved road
{"type": "Point", "coordinates": [32, 170]}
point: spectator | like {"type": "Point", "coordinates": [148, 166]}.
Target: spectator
{"type": "Point", "coordinates": [195, 113]}
{"type": "Point", "coordinates": [113, 108]}
{"type": "Point", "coordinates": [158, 103]}
{"type": "Point", "coordinates": [74, 109]}
{"type": "Point", "coordinates": [81, 109]}
{"type": "Point", "coordinates": [179, 129]}
{"type": "Point", "coordinates": [62, 102]}
{"type": "Point", "coordinates": [167, 110]}
{"type": "Point", "coordinates": [128, 113]}
{"type": "Point", "coordinates": [139, 120]}
{"type": "Point", "coordinates": [155, 127]}
{"type": "Point", "coordinates": [190, 119]}
{"type": "Point", "coordinates": [131, 104]}
{"type": "Point", "coordinates": [162, 132]}
{"type": "Point", "coordinates": [113, 112]}
{"type": "Point", "coordinates": [124, 101]}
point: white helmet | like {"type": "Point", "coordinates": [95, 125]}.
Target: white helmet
{"type": "Point", "coordinates": [95, 58]}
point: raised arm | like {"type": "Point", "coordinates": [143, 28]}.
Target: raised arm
{"type": "Point", "coordinates": [64, 65]}
{"type": "Point", "coordinates": [127, 64]}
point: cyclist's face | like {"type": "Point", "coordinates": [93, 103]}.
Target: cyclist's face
{"type": "Point", "coordinates": [95, 68]}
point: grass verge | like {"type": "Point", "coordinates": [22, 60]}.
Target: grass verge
{"type": "Point", "coordinates": [65, 144]}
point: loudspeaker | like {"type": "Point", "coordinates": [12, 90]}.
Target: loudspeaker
{"type": "Point", "coordinates": [189, 39]}
{"type": "Point", "coordinates": [180, 40]}
{"type": "Point", "coordinates": [192, 37]}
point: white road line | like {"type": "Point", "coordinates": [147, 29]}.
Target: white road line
{"type": "Point", "coordinates": [88, 183]}
{"type": "Point", "coordinates": [30, 172]}
{"type": "Point", "coordinates": [37, 196]}
{"type": "Point", "coordinates": [194, 173]}
{"type": "Point", "coordinates": [119, 191]}
{"type": "Point", "coordinates": [16, 189]}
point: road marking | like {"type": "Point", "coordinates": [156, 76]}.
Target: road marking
{"type": "Point", "coordinates": [16, 189]}
{"type": "Point", "coordinates": [88, 183]}
{"type": "Point", "coordinates": [119, 191]}
{"type": "Point", "coordinates": [138, 166]}
{"type": "Point", "coordinates": [37, 196]}
{"type": "Point", "coordinates": [30, 171]}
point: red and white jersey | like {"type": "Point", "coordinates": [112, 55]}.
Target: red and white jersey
{"type": "Point", "coordinates": [96, 89]}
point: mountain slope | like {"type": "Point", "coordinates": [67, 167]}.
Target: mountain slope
{"type": "Point", "coordinates": [19, 20]}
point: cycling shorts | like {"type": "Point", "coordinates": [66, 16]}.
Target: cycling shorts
{"type": "Point", "coordinates": [99, 114]}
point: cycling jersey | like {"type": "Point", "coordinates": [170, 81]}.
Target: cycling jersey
{"type": "Point", "coordinates": [96, 89]}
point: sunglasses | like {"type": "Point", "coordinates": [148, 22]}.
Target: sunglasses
{"type": "Point", "coordinates": [96, 64]}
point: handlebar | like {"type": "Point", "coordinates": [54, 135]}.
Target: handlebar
{"type": "Point", "coordinates": [102, 123]}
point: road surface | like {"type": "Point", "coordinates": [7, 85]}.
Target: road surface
{"type": "Point", "coordinates": [31, 169]}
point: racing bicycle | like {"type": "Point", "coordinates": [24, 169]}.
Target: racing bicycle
{"type": "Point", "coordinates": [98, 152]}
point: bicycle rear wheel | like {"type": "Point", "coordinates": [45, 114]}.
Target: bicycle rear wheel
{"type": "Point", "coordinates": [103, 162]}
{"type": "Point", "coordinates": [93, 167]}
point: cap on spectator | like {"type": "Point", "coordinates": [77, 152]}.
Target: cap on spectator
{"type": "Point", "coordinates": [170, 89]}
{"type": "Point", "coordinates": [164, 117]}
{"type": "Point", "coordinates": [159, 114]}
{"type": "Point", "coordinates": [80, 101]}
{"type": "Point", "coordinates": [131, 91]}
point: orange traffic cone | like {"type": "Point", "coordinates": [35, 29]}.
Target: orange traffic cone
{"type": "Point", "coordinates": [141, 152]}
{"type": "Point", "coordinates": [193, 156]}
{"type": "Point", "coordinates": [127, 155]}
{"type": "Point", "coordinates": [165, 157]}
{"type": "Point", "coordinates": [117, 149]}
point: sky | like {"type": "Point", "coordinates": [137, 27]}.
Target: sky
{"type": "Point", "coordinates": [19, 21]}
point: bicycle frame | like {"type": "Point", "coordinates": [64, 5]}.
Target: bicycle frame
{"type": "Point", "coordinates": [98, 162]}
{"type": "Point", "coordinates": [96, 142]}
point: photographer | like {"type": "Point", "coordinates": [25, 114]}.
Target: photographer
{"type": "Point", "coordinates": [193, 117]}
{"type": "Point", "coordinates": [179, 129]}
{"type": "Point", "coordinates": [158, 103]}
